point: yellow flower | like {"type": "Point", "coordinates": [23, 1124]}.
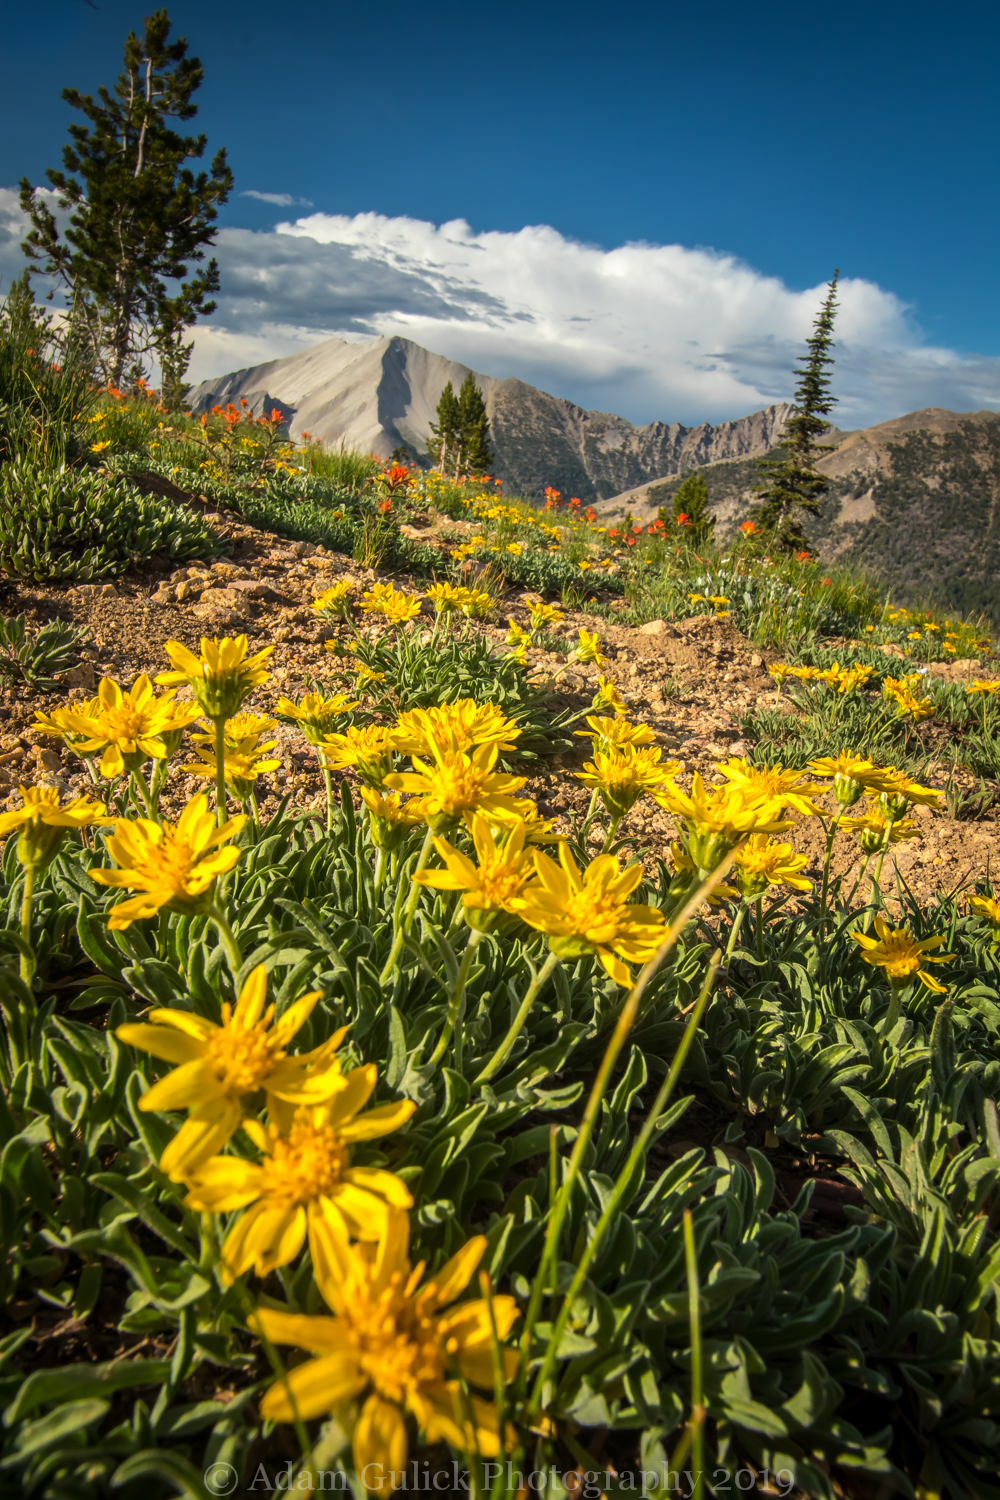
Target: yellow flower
{"type": "Point", "coordinates": [588, 912]}
{"type": "Point", "coordinates": [779, 670]}
{"type": "Point", "coordinates": [458, 782]}
{"type": "Point", "coordinates": [100, 447]}
{"type": "Point", "coordinates": [607, 696]}
{"type": "Point", "coordinates": [585, 567]}
{"type": "Point", "coordinates": [697, 598]}
{"type": "Point", "coordinates": [44, 820]}
{"type": "Point", "coordinates": [515, 549]}
{"type": "Point", "coordinates": [519, 653]}
{"type": "Point", "coordinates": [515, 635]}
{"type": "Point", "coordinates": [383, 599]}
{"type": "Point", "coordinates": [845, 679]}
{"type": "Point", "coordinates": [545, 614]}
{"type": "Point", "coordinates": [72, 722]}
{"type": "Point", "coordinates": [488, 889]}
{"type": "Point", "coordinates": [778, 784]}
{"type": "Point", "coordinates": [606, 733]}
{"type": "Point", "coordinates": [589, 648]}
{"type": "Point", "coordinates": [852, 775]}
{"type": "Point", "coordinates": [316, 715]}
{"type": "Point", "coordinates": [477, 604]}
{"type": "Point", "coordinates": [718, 818]}
{"type": "Point", "coordinates": [897, 784]}
{"type": "Point", "coordinates": [305, 1180]}
{"type": "Point", "coordinates": [221, 677]}
{"type": "Point", "coordinates": [718, 600]}
{"type": "Point", "coordinates": [241, 764]}
{"type": "Point", "coordinates": [392, 1343]}
{"type": "Point", "coordinates": [129, 728]}
{"type": "Point", "coordinates": [390, 818]}
{"type": "Point", "coordinates": [173, 864]}
{"type": "Point", "coordinates": [899, 953]}
{"type": "Point", "coordinates": [365, 676]}
{"type": "Point", "coordinates": [334, 600]}
{"type": "Point", "coordinates": [907, 703]}
{"type": "Point", "coordinates": [760, 863]}
{"type": "Point", "coordinates": [624, 773]}
{"type": "Point", "coordinates": [221, 1068]}
{"type": "Point", "coordinates": [983, 685]}
{"type": "Point", "coordinates": [445, 597]}
{"type": "Point", "coordinates": [987, 907]}
{"type": "Point", "coordinates": [455, 726]}
{"type": "Point", "coordinates": [876, 833]}
{"type": "Point", "coordinates": [368, 751]}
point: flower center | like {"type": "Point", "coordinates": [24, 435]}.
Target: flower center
{"type": "Point", "coordinates": [242, 1060]}
{"type": "Point", "coordinates": [398, 1343]}
{"type": "Point", "coordinates": [123, 723]}
{"type": "Point", "coordinates": [167, 866]}
{"type": "Point", "coordinates": [304, 1164]}
{"type": "Point", "coordinates": [590, 909]}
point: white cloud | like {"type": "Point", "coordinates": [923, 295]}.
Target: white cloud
{"type": "Point", "coordinates": [648, 331]}
{"type": "Point", "coordinates": [280, 200]}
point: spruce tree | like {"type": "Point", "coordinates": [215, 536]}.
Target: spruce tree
{"type": "Point", "coordinates": [790, 484]}
{"type": "Point", "coordinates": [139, 215]}
{"type": "Point", "coordinates": [691, 500]}
{"type": "Point", "coordinates": [446, 432]}
{"type": "Point", "coordinates": [475, 456]}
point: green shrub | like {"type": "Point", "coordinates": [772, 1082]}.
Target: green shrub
{"type": "Point", "coordinates": [35, 656]}
{"type": "Point", "coordinates": [75, 524]}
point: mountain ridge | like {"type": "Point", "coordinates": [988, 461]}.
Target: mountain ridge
{"type": "Point", "coordinates": [381, 394]}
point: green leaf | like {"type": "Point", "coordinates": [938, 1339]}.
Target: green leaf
{"type": "Point", "coordinates": [75, 1382]}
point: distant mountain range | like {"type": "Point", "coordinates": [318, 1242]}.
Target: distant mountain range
{"type": "Point", "coordinates": [916, 500]}
{"type": "Point", "coordinates": [382, 394]}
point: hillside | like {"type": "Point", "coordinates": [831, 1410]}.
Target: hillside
{"type": "Point", "coordinates": [380, 395]}
{"type": "Point", "coordinates": [914, 499]}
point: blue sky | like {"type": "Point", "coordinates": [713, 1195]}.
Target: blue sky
{"type": "Point", "coordinates": [782, 141]}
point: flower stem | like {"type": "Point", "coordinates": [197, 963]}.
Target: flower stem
{"type": "Point", "coordinates": [760, 928]}
{"type": "Point", "coordinates": [500, 1056]}
{"type": "Point", "coordinates": [27, 964]}
{"type": "Point", "coordinates": [139, 786]}
{"type": "Point", "coordinates": [455, 1003]}
{"type": "Point", "coordinates": [591, 814]}
{"type": "Point", "coordinates": [229, 942]}
{"type": "Point", "coordinates": [329, 794]}
{"type": "Point", "coordinates": [408, 913]}
{"type": "Point", "coordinates": [220, 771]}
{"type": "Point", "coordinates": [831, 835]}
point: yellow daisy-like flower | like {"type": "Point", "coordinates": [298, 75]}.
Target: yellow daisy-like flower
{"type": "Point", "coordinates": [172, 864]}
{"type": "Point", "coordinates": [489, 888]}
{"type": "Point", "coordinates": [478, 604]}
{"type": "Point", "coordinates": [129, 728]}
{"type": "Point", "coordinates": [545, 614]}
{"type": "Point", "coordinates": [778, 784]}
{"type": "Point", "coordinates": [397, 607]}
{"type": "Point", "coordinates": [759, 863]}
{"type": "Point", "coordinates": [719, 818]}
{"type": "Point", "coordinates": [983, 685]}
{"type": "Point", "coordinates": [588, 912]}
{"type": "Point", "coordinates": [845, 679]}
{"type": "Point", "coordinates": [516, 636]}
{"type": "Point", "coordinates": [625, 773]}
{"type": "Point", "coordinates": [365, 676]}
{"type": "Point", "coordinates": [876, 833]}
{"type": "Point", "coordinates": [393, 1345]}
{"type": "Point", "coordinates": [588, 648]}
{"type": "Point", "coordinates": [241, 764]}
{"type": "Point", "coordinates": [446, 598]}
{"type": "Point", "coordinates": [897, 784]}
{"type": "Point", "coordinates": [852, 775]}
{"type": "Point", "coordinates": [368, 751]}
{"type": "Point", "coordinates": [305, 1180]}
{"type": "Point", "coordinates": [455, 726]}
{"type": "Point", "coordinates": [989, 908]}
{"type": "Point", "coordinates": [44, 820]}
{"type": "Point", "coordinates": [221, 1068]}
{"type": "Point", "coordinates": [390, 818]}
{"type": "Point", "coordinates": [315, 714]}
{"type": "Point", "coordinates": [455, 782]}
{"type": "Point", "coordinates": [221, 677]}
{"type": "Point", "coordinates": [237, 730]}
{"type": "Point", "coordinates": [334, 600]}
{"type": "Point", "coordinates": [607, 733]}
{"type": "Point", "coordinates": [64, 722]}
{"type": "Point", "coordinates": [607, 696]}
{"type": "Point", "coordinates": [779, 670]}
{"type": "Point", "coordinates": [909, 705]}
{"type": "Point", "coordinates": [899, 953]}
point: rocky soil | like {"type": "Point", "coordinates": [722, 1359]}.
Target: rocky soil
{"type": "Point", "coordinates": [691, 682]}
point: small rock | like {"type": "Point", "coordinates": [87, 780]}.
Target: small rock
{"type": "Point", "coordinates": [250, 588]}
{"type": "Point", "coordinates": [165, 594]}
{"type": "Point", "coordinates": [47, 760]}
{"type": "Point", "coordinates": [82, 676]}
{"type": "Point", "coordinates": [756, 660]}
{"type": "Point", "coordinates": [96, 591]}
{"type": "Point", "coordinates": [303, 549]}
{"type": "Point", "coordinates": [656, 627]}
{"type": "Point", "coordinates": [190, 589]}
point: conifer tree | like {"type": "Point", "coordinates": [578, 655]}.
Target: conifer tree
{"type": "Point", "coordinates": [476, 456]}
{"type": "Point", "coordinates": [139, 215]}
{"type": "Point", "coordinates": [691, 500]}
{"type": "Point", "coordinates": [790, 485]}
{"type": "Point", "coordinates": [446, 432]}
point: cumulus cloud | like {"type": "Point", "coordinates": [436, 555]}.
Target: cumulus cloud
{"type": "Point", "coordinates": [647, 331]}
{"type": "Point", "coordinates": [280, 200]}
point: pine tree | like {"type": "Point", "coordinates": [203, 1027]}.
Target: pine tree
{"type": "Point", "coordinates": [139, 215]}
{"type": "Point", "coordinates": [476, 456]}
{"type": "Point", "coordinates": [691, 500]}
{"type": "Point", "coordinates": [791, 486]}
{"type": "Point", "coordinates": [446, 432]}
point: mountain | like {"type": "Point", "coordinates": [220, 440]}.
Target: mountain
{"type": "Point", "coordinates": [382, 394]}
{"type": "Point", "coordinates": [916, 499]}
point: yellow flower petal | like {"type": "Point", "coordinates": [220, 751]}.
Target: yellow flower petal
{"type": "Point", "coordinates": [377, 1122]}
{"type": "Point", "coordinates": [379, 1444]}
{"type": "Point", "coordinates": [313, 1389]}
